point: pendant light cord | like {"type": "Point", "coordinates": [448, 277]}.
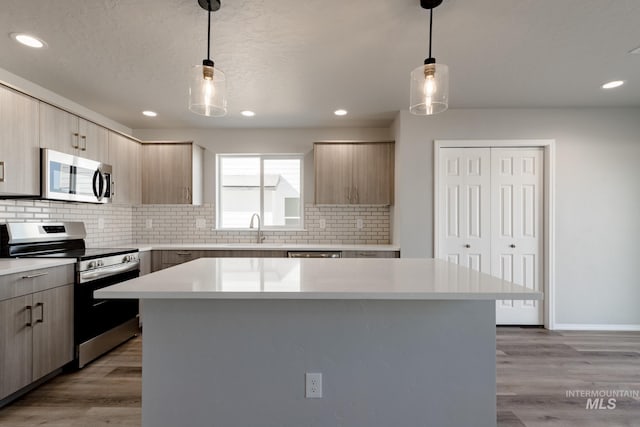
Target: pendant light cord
{"type": "Point", "coordinates": [209, 32]}
{"type": "Point", "coordinates": [430, 29]}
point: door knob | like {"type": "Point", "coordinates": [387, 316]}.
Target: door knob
{"type": "Point", "coordinates": [467, 246]}
{"type": "Point", "coordinates": [512, 246]}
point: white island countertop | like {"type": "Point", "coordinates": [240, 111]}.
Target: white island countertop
{"type": "Point", "coordinates": [329, 279]}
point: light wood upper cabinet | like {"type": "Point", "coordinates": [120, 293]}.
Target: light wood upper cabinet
{"type": "Point", "coordinates": [68, 133]}
{"type": "Point", "coordinates": [124, 157]}
{"type": "Point", "coordinates": [19, 148]}
{"type": "Point", "coordinates": [354, 173]}
{"type": "Point", "coordinates": [94, 141]}
{"type": "Point", "coordinates": [172, 173]}
{"type": "Point", "coordinates": [333, 173]}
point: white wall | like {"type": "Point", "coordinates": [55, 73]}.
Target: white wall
{"type": "Point", "coordinates": [597, 198]}
{"type": "Point", "coordinates": [281, 141]}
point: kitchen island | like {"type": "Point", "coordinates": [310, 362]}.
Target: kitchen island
{"type": "Point", "coordinates": [399, 342]}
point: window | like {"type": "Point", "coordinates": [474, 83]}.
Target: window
{"type": "Point", "coordinates": [270, 185]}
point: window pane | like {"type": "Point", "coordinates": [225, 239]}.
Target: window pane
{"type": "Point", "coordinates": [282, 192]}
{"type": "Point", "coordinates": [239, 190]}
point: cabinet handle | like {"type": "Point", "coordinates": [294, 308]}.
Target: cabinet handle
{"type": "Point", "coordinates": [113, 188]}
{"type": "Point", "coordinates": [188, 195]}
{"type": "Point", "coordinates": [84, 144]}
{"type": "Point", "coordinates": [76, 140]}
{"type": "Point", "coordinates": [41, 319]}
{"type": "Point", "coordinates": [30, 322]}
{"type": "Point", "coordinates": [183, 253]}
{"type": "Point", "coordinates": [349, 195]}
{"type": "Point", "coordinates": [512, 246]}
{"type": "Point", "coordinates": [1, 171]}
{"type": "Point", "coordinates": [357, 195]}
{"type": "Point", "coordinates": [31, 276]}
{"type": "Point", "coordinates": [467, 246]}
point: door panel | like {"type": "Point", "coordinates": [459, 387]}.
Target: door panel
{"type": "Point", "coordinates": [52, 330]}
{"type": "Point", "coordinates": [464, 207]}
{"type": "Point", "coordinates": [517, 183]}
{"type": "Point", "coordinates": [490, 205]}
{"type": "Point", "coordinates": [15, 344]}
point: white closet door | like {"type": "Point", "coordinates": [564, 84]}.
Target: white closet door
{"type": "Point", "coordinates": [516, 224]}
{"type": "Point", "coordinates": [464, 204]}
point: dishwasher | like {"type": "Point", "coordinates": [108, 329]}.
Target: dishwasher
{"type": "Point", "coordinates": [314, 254]}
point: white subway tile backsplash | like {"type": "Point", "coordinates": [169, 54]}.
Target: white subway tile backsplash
{"type": "Point", "coordinates": [119, 225]}
{"type": "Point", "coordinates": [176, 224]}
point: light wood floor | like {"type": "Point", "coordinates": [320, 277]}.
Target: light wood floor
{"type": "Point", "coordinates": [536, 367]}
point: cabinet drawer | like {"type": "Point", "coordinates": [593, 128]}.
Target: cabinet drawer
{"type": "Point", "coordinates": [28, 282]}
{"type": "Point", "coordinates": [370, 254]}
{"type": "Point", "coordinates": [178, 257]}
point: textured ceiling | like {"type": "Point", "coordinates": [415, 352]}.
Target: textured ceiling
{"type": "Point", "coordinates": [294, 61]}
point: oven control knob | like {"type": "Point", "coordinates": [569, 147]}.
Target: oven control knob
{"type": "Point", "coordinates": [91, 264]}
{"type": "Point", "coordinates": [100, 263]}
{"type": "Point", "coordinates": [126, 258]}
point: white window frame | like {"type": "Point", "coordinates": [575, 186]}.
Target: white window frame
{"type": "Point", "coordinates": [262, 157]}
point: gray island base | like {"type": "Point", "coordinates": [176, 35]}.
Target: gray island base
{"type": "Point", "coordinates": [227, 343]}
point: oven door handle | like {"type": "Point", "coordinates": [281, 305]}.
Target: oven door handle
{"type": "Point", "coordinates": [87, 276]}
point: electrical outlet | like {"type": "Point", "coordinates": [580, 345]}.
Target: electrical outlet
{"type": "Point", "coordinates": [323, 223]}
{"type": "Point", "coordinates": [313, 385]}
{"type": "Point", "coordinates": [148, 223]}
{"type": "Point", "coordinates": [359, 224]}
{"type": "Point", "coordinates": [201, 223]}
{"type": "Point", "coordinates": [100, 223]}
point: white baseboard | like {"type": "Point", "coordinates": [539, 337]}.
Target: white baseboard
{"type": "Point", "coordinates": [596, 327]}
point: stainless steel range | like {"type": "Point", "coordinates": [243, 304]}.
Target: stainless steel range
{"type": "Point", "coordinates": [100, 325]}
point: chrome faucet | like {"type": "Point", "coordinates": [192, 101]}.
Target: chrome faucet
{"type": "Point", "coordinates": [259, 236]}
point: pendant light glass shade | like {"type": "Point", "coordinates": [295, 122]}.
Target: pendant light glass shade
{"type": "Point", "coordinates": [429, 89]}
{"type": "Point", "coordinates": [207, 91]}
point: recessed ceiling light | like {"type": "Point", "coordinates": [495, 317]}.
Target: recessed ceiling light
{"type": "Point", "coordinates": [248, 113]}
{"type": "Point", "coordinates": [149, 113]}
{"type": "Point", "coordinates": [340, 112]}
{"type": "Point", "coordinates": [612, 84]}
{"type": "Point", "coordinates": [28, 40]}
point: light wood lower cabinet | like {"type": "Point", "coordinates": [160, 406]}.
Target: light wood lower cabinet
{"type": "Point", "coordinates": [52, 330]}
{"type": "Point", "coordinates": [168, 258]}
{"type": "Point", "coordinates": [370, 254]}
{"type": "Point", "coordinates": [16, 345]}
{"type": "Point", "coordinates": [36, 326]}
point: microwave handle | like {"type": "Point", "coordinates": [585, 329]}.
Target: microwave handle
{"type": "Point", "coordinates": [99, 185]}
{"type": "Point", "coordinates": [96, 174]}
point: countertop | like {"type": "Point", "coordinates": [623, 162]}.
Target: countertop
{"type": "Point", "coordinates": [18, 265]}
{"type": "Point", "coordinates": [142, 247]}
{"type": "Point", "coordinates": [295, 278]}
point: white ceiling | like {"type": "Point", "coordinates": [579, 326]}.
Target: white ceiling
{"type": "Point", "coordinates": [295, 61]}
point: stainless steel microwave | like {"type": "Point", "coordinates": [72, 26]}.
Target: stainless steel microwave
{"type": "Point", "coordinates": [76, 179]}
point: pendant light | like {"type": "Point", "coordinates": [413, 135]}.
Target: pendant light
{"type": "Point", "coordinates": [208, 86]}
{"type": "Point", "coordinates": [429, 82]}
